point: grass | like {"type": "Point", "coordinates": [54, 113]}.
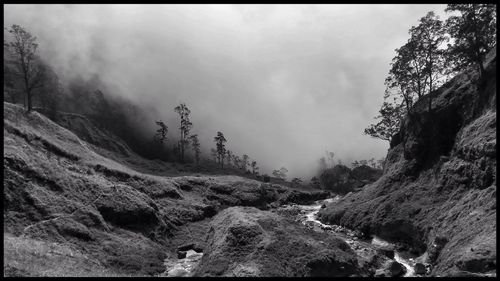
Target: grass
{"type": "Point", "coordinates": [29, 257]}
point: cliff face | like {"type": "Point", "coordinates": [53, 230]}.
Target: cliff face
{"type": "Point", "coordinates": [438, 191]}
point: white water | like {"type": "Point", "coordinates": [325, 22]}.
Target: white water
{"type": "Point", "coordinates": [312, 211]}
{"type": "Point", "coordinates": [183, 267]}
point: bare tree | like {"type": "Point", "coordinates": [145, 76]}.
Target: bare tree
{"type": "Point", "coordinates": [30, 68]}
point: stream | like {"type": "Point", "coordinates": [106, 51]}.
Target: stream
{"type": "Point", "coordinates": [184, 266]}
{"type": "Point", "coordinates": [307, 217]}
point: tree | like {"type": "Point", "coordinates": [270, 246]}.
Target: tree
{"type": "Point", "coordinates": [390, 117]}
{"type": "Point", "coordinates": [244, 162]}
{"type": "Point", "coordinates": [254, 167]}
{"type": "Point", "coordinates": [473, 32]}
{"type": "Point", "coordinates": [161, 133]}
{"type": "Point", "coordinates": [371, 162]}
{"type": "Point", "coordinates": [419, 64]}
{"type": "Point", "coordinates": [229, 156]}
{"type": "Point", "coordinates": [281, 173]}
{"type": "Point", "coordinates": [315, 182]}
{"type": "Point", "coordinates": [355, 164]}
{"type": "Point", "coordinates": [185, 127]}
{"type": "Point", "coordinates": [220, 141]}
{"type": "Point", "coordinates": [236, 161]}
{"type": "Point", "coordinates": [330, 156]}
{"type": "Point", "coordinates": [427, 38]}
{"type": "Point", "coordinates": [50, 93]}
{"type": "Point", "coordinates": [29, 67]}
{"type": "Point", "coordinates": [196, 148]}
{"type": "Point", "coordinates": [213, 152]}
{"type": "Point", "coordinates": [296, 181]}
{"type": "Point", "coordinates": [380, 163]}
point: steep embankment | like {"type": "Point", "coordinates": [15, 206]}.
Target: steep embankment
{"type": "Point", "coordinates": [438, 190]}
{"type": "Point", "coordinates": [63, 196]}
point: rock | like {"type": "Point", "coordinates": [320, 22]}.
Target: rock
{"type": "Point", "coordinates": [177, 272]}
{"type": "Point", "coordinates": [439, 178]}
{"type": "Point", "coordinates": [420, 269]}
{"type": "Point", "coordinates": [396, 269]}
{"type": "Point", "coordinates": [386, 251]}
{"type": "Point", "coordinates": [323, 206]}
{"type": "Point", "coordinates": [263, 243]}
{"type": "Point", "coordinates": [181, 254]}
{"type": "Point", "coordinates": [197, 248]}
{"type": "Point", "coordinates": [186, 247]}
{"type": "Point", "coordinates": [391, 269]}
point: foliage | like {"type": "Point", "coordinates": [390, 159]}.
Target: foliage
{"type": "Point", "coordinates": [196, 147]}
{"type": "Point", "coordinates": [244, 162]}
{"type": "Point", "coordinates": [255, 169]}
{"type": "Point", "coordinates": [281, 173]}
{"type": "Point", "coordinates": [220, 141]}
{"type": "Point", "coordinates": [161, 133]}
{"type": "Point", "coordinates": [389, 117]}
{"type": "Point", "coordinates": [473, 32]}
{"type": "Point", "coordinates": [296, 182]}
{"type": "Point", "coordinates": [315, 182]}
{"type": "Point", "coordinates": [185, 127]}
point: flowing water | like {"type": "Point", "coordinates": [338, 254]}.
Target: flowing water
{"type": "Point", "coordinates": [309, 218]}
{"type": "Point", "coordinates": [185, 266]}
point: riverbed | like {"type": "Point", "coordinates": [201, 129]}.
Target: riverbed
{"type": "Point", "coordinates": [308, 217]}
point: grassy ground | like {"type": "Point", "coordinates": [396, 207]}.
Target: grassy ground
{"type": "Point", "coordinates": [30, 257]}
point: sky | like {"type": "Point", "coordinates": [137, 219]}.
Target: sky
{"type": "Point", "coordinates": [284, 83]}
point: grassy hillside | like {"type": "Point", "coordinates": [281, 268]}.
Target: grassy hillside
{"type": "Point", "coordinates": [115, 209]}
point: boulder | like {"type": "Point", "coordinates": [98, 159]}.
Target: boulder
{"type": "Point", "coordinates": [391, 269]}
{"type": "Point", "coordinates": [181, 254]}
{"type": "Point", "coordinates": [245, 241]}
{"type": "Point", "coordinates": [420, 269]}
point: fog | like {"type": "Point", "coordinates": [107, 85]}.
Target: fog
{"type": "Point", "coordinates": [283, 83]}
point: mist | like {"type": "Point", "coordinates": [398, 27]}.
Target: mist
{"type": "Point", "coordinates": [284, 83]}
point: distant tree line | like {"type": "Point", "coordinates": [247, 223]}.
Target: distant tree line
{"type": "Point", "coordinates": [435, 51]}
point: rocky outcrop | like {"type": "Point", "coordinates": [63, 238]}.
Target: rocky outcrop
{"type": "Point", "coordinates": [438, 190]}
{"type": "Point", "coordinates": [245, 241]}
{"type": "Point", "coordinates": [341, 179]}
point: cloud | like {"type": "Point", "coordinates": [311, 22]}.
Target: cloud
{"type": "Point", "coordinates": [284, 83]}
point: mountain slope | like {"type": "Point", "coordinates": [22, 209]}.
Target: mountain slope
{"type": "Point", "coordinates": [60, 190]}
{"type": "Point", "coordinates": [438, 191]}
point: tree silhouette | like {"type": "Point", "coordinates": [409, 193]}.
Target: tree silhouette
{"type": "Point", "coordinates": [161, 133]}
{"type": "Point", "coordinates": [296, 181]}
{"type": "Point", "coordinates": [244, 162]}
{"type": "Point", "coordinates": [185, 127]}
{"type": "Point", "coordinates": [220, 141]}
{"type": "Point", "coordinates": [236, 161]}
{"type": "Point", "coordinates": [254, 167]}
{"type": "Point", "coordinates": [229, 157]}
{"type": "Point", "coordinates": [213, 152]}
{"type": "Point", "coordinates": [281, 173]}
{"type": "Point", "coordinates": [196, 148]}
{"type": "Point", "coordinates": [473, 32]}
{"type": "Point", "coordinates": [315, 182]}
{"type": "Point", "coordinates": [29, 67]}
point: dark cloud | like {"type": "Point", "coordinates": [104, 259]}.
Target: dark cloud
{"type": "Point", "coordinates": [283, 82]}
